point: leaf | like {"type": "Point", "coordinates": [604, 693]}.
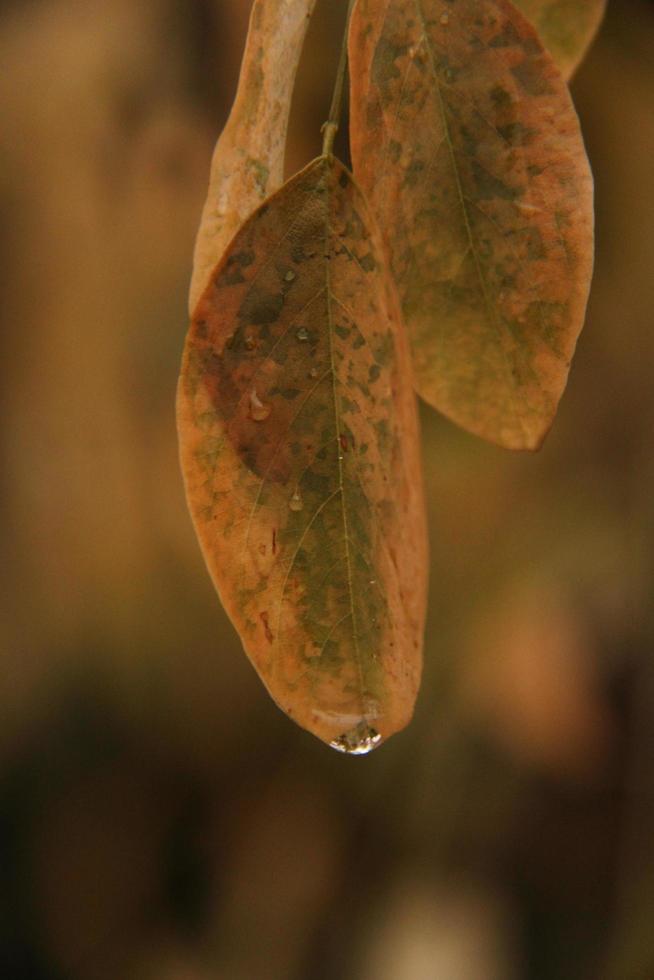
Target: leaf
{"type": "Point", "coordinates": [566, 27]}
{"type": "Point", "coordinates": [468, 146]}
{"type": "Point", "coordinates": [299, 447]}
{"type": "Point", "coordinates": [248, 162]}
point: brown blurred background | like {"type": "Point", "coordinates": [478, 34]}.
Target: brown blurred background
{"type": "Point", "coordinates": [159, 818]}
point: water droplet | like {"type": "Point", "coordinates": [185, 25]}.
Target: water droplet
{"type": "Point", "coordinates": [358, 741]}
{"type": "Point", "coordinates": [258, 411]}
{"type": "Point", "coordinates": [296, 503]}
{"type": "Point", "coordinates": [445, 19]}
{"type": "Point", "coordinates": [528, 208]}
{"type": "Point", "coordinates": [250, 342]}
{"type": "Point", "coordinates": [290, 276]}
{"type": "Point", "coordinates": [313, 373]}
{"type": "Point", "coordinates": [302, 334]}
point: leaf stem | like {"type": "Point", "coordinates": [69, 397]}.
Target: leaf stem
{"type": "Point", "coordinates": [330, 128]}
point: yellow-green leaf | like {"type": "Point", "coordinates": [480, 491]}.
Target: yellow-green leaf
{"type": "Point", "coordinates": [468, 145]}
{"type": "Point", "coordinates": [248, 162]}
{"type": "Point", "coordinates": [299, 447]}
{"type": "Point", "coordinates": [566, 27]}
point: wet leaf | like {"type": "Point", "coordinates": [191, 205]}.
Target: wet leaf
{"type": "Point", "coordinates": [299, 448]}
{"type": "Point", "coordinates": [566, 27]}
{"type": "Point", "coordinates": [466, 141]}
{"type": "Point", "coordinates": [248, 162]}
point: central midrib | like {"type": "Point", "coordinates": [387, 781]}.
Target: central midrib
{"type": "Point", "coordinates": [339, 455]}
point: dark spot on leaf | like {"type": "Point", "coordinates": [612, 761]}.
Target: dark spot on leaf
{"type": "Point", "coordinates": [500, 97]}
{"type": "Point", "coordinates": [507, 37]}
{"type": "Point", "coordinates": [261, 307]}
{"type": "Point", "coordinates": [413, 173]}
{"type": "Point", "coordinates": [530, 75]}
{"type": "Point", "coordinates": [489, 186]}
{"type": "Point", "coordinates": [383, 65]}
{"type": "Point", "coordinates": [514, 133]}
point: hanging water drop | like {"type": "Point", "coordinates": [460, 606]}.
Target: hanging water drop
{"type": "Point", "coordinates": [358, 741]}
{"type": "Point", "coordinates": [302, 334]}
{"type": "Point", "coordinates": [290, 276]}
{"type": "Point", "coordinates": [296, 503]}
{"type": "Point", "coordinates": [258, 411]}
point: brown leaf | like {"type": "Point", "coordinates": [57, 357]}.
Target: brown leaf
{"type": "Point", "coordinates": [466, 141]}
{"type": "Point", "coordinates": [299, 447]}
{"type": "Point", "coordinates": [566, 27]}
{"type": "Point", "coordinates": [248, 162]}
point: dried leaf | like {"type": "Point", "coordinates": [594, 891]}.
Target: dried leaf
{"type": "Point", "coordinates": [299, 447]}
{"type": "Point", "coordinates": [248, 162]}
{"type": "Point", "coordinates": [566, 27]}
{"type": "Point", "coordinates": [466, 141]}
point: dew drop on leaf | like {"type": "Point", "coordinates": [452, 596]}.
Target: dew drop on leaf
{"type": "Point", "coordinates": [259, 412]}
{"type": "Point", "coordinates": [302, 334]}
{"type": "Point", "coordinates": [358, 741]}
{"type": "Point", "coordinates": [296, 503]}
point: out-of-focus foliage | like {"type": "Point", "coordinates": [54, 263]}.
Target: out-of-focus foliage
{"type": "Point", "coordinates": [465, 139]}
{"type": "Point", "coordinates": [159, 817]}
{"type": "Point", "coordinates": [248, 162]}
{"type": "Point", "coordinates": [567, 27]}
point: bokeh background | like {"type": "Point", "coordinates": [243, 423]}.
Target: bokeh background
{"type": "Point", "coordinates": [159, 818]}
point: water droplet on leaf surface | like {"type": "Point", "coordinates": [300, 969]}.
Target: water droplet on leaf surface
{"type": "Point", "coordinates": [258, 411]}
{"type": "Point", "coordinates": [296, 503]}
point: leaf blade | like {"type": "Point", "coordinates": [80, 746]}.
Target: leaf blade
{"type": "Point", "coordinates": [465, 139]}
{"type": "Point", "coordinates": [248, 161]}
{"type": "Point", "coordinates": [299, 447]}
